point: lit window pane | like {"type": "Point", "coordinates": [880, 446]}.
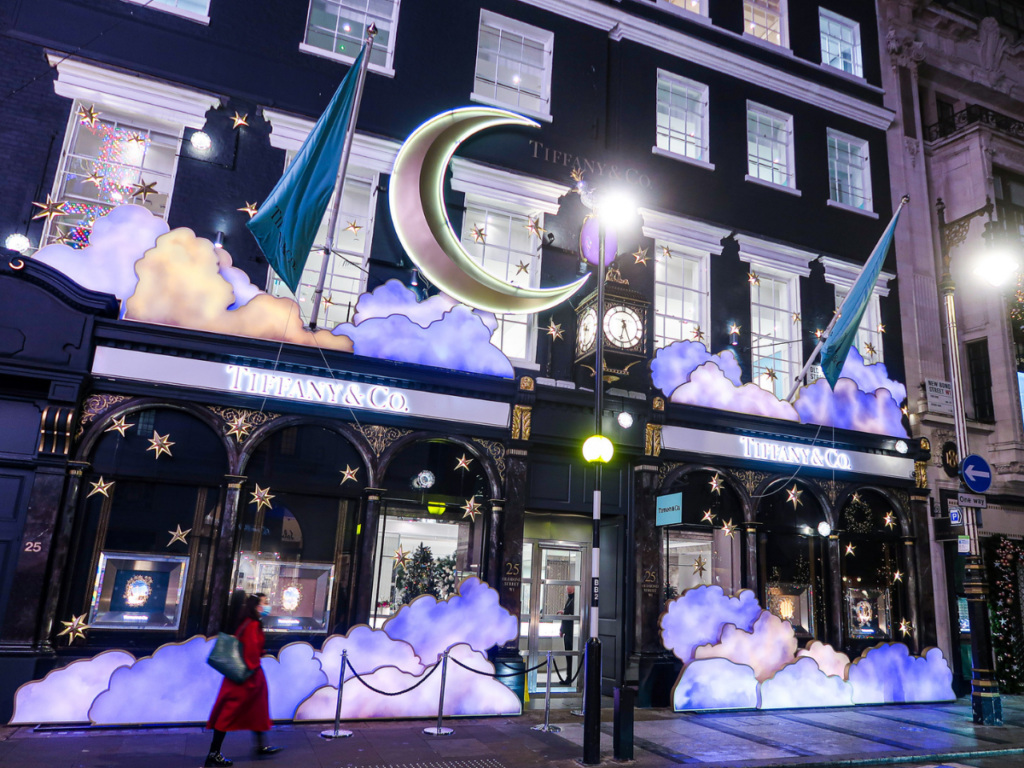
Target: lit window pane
{"type": "Point", "coordinates": [840, 42]}
{"type": "Point", "coordinates": [763, 19]}
{"type": "Point", "coordinates": [512, 67]}
{"type": "Point", "coordinates": [339, 26]}
{"type": "Point", "coordinates": [682, 117]}
{"type": "Point", "coordinates": [680, 298]}
{"type": "Point", "coordinates": [849, 171]}
{"type": "Point", "coordinates": [768, 147]}
{"type": "Point", "coordinates": [775, 335]}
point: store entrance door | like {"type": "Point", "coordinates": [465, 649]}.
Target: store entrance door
{"type": "Point", "coordinates": [554, 612]}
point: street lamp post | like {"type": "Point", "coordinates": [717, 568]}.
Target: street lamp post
{"type": "Point", "coordinates": [986, 704]}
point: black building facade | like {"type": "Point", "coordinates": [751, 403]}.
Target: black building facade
{"type": "Point", "coordinates": [752, 137]}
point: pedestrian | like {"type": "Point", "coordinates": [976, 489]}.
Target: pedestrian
{"type": "Point", "coordinates": [244, 706]}
{"type": "Point", "coordinates": [566, 631]}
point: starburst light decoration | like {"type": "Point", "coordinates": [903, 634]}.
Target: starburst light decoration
{"type": "Point", "coordinates": [88, 115]}
{"type": "Point", "coordinates": [729, 529]}
{"type": "Point", "coordinates": [700, 565]}
{"type": "Point", "coordinates": [897, 576]}
{"type": "Point", "coordinates": [522, 267]}
{"type": "Point", "coordinates": [249, 208]}
{"type": "Point", "coordinates": [239, 428]}
{"type": "Point", "coordinates": [463, 462]}
{"type": "Point", "coordinates": [160, 444]}
{"type": "Point", "coordinates": [262, 497]}
{"type": "Point", "coordinates": [906, 627]}
{"type": "Point", "coordinates": [709, 517]}
{"type": "Point", "coordinates": [850, 549]}
{"type": "Point", "coordinates": [74, 629]}
{"type": "Point", "coordinates": [869, 349]}
{"type": "Point", "coordinates": [478, 234]}
{"type": "Point", "coordinates": [353, 227]}
{"type": "Point", "coordinates": [471, 509]}
{"type": "Point", "coordinates": [349, 474]}
{"type": "Point", "coordinates": [534, 228]}
{"type": "Point", "coordinates": [697, 333]}
{"type": "Point", "coordinates": [50, 210]}
{"type": "Point", "coordinates": [554, 330]}
{"type": "Point", "coordinates": [716, 484]}
{"type": "Point", "coordinates": [796, 317]}
{"type": "Point", "coordinates": [101, 488]}
{"type": "Point", "coordinates": [401, 557]}
{"type": "Point", "coordinates": [889, 520]}
{"type": "Point", "coordinates": [179, 535]}
{"type": "Point", "coordinates": [143, 190]}
{"type": "Point", "coordinates": [793, 496]}
{"type": "Point", "coordinates": [239, 120]}
{"type": "Point", "coordinates": [641, 256]}
{"type": "Point", "coordinates": [753, 278]}
{"type": "Point", "coordinates": [666, 252]}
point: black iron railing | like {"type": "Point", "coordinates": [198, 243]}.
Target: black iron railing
{"type": "Point", "coordinates": [971, 116]}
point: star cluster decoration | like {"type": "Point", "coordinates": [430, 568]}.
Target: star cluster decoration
{"type": "Point", "coordinates": [771, 374]}
{"type": "Point", "coordinates": [897, 576]}
{"type": "Point", "coordinates": [641, 256]}
{"type": "Point", "coordinates": [160, 443]}
{"type": "Point", "coordinates": [50, 210]}
{"type": "Point", "coordinates": [534, 228]}
{"type": "Point", "coordinates": [850, 549]}
{"type": "Point", "coordinates": [349, 473]}
{"type": "Point", "coordinates": [709, 517]}
{"type": "Point", "coordinates": [143, 190]}
{"type": "Point", "coordinates": [906, 627]}
{"type": "Point", "coordinates": [666, 252]}
{"type": "Point", "coordinates": [88, 115]}
{"type": "Point", "coordinates": [734, 330]}
{"type": "Point", "coordinates": [793, 496]}
{"type": "Point", "coordinates": [716, 484]}
{"type": "Point", "coordinates": [401, 557]}
{"type": "Point", "coordinates": [697, 333]}
{"type": "Point", "coordinates": [74, 629]}
{"type": "Point", "coordinates": [522, 267]}
{"type": "Point", "coordinates": [700, 565]}
{"type": "Point", "coordinates": [249, 208]}
{"type": "Point", "coordinates": [119, 425]}
{"type": "Point", "coordinates": [554, 330]}
{"type": "Point", "coordinates": [100, 487]}
{"type": "Point", "coordinates": [753, 278]}
{"type": "Point", "coordinates": [463, 462]}
{"type": "Point", "coordinates": [478, 234]}
{"type": "Point", "coordinates": [179, 535]}
{"type": "Point", "coordinates": [262, 497]}
{"type": "Point", "coordinates": [353, 227]}
{"type": "Point", "coordinates": [889, 520]}
{"type": "Point", "coordinates": [471, 509]}
{"type": "Point", "coordinates": [237, 121]}
{"type": "Point", "coordinates": [239, 428]}
{"type": "Point", "coordinates": [869, 349]}
{"type": "Point", "coordinates": [796, 317]}
{"type": "Point", "coordinates": [94, 178]}
{"type": "Point", "coordinates": [729, 529]}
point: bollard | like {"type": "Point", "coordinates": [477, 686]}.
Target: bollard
{"type": "Point", "coordinates": [622, 733]}
{"type": "Point", "coordinates": [439, 730]}
{"type": "Point", "coordinates": [547, 727]}
{"type": "Point", "coordinates": [338, 733]}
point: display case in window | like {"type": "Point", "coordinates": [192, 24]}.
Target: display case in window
{"type": "Point", "coordinates": [299, 593]}
{"type": "Point", "coordinates": [869, 613]}
{"type": "Point", "coordinates": [793, 603]}
{"type": "Point", "coordinates": [137, 591]}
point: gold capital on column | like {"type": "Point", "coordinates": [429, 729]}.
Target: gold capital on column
{"type": "Point", "coordinates": [522, 416]}
{"type": "Point", "coordinates": [652, 440]}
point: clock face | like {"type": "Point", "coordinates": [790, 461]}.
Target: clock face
{"type": "Point", "coordinates": [588, 330]}
{"type": "Point", "coordinates": [623, 327]}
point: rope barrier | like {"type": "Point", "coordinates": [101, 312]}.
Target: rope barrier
{"type": "Point", "coordinates": [396, 693]}
{"type": "Point", "coordinates": [495, 674]}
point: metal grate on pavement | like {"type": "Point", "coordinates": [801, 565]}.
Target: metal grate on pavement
{"type": "Point", "coordinates": [477, 762]}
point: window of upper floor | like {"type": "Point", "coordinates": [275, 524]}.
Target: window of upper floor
{"type": "Point", "coordinates": [337, 28]}
{"type": "Point", "coordinates": [513, 66]}
{"type": "Point", "coordinates": [775, 328]}
{"type": "Point", "coordinates": [849, 172]}
{"type": "Point", "coordinates": [766, 20]}
{"type": "Point", "coordinates": [868, 340]}
{"type": "Point", "coordinates": [681, 305]}
{"type": "Point", "coordinates": [840, 42]}
{"type": "Point", "coordinates": [194, 10]}
{"type": "Point", "coordinates": [695, 9]}
{"type": "Point", "coordinates": [770, 159]}
{"type": "Point", "coordinates": [682, 119]}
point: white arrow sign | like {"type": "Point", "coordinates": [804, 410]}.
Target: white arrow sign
{"type": "Point", "coordinates": [973, 473]}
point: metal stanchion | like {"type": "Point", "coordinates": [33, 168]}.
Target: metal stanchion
{"type": "Point", "coordinates": [439, 730]}
{"type": "Point", "coordinates": [338, 733]}
{"type": "Point", "coordinates": [547, 727]}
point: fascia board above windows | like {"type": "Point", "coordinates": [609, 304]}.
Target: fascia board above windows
{"type": "Point", "coordinates": [621, 25]}
{"type": "Point", "coordinates": [130, 92]}
{"type": "Point", "coordinates": [506, 187]}
{"type": "Point", "coordinates": [843, 274]}
{"type": "Point", "coordinates": [694, 235]}
{"type": "Point", "coordinates": [775, 257]}
{"type": "Point", "coordinates": [288, 131]}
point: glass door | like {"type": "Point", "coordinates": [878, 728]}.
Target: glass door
{"type": "Point", "coordinates": [554, 612]}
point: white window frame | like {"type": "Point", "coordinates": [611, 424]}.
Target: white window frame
{"type": "Point", "coordinates": [841, 275]}
{"type": "Point", "coordinates": [166, 7]}
{"type": "Point", "coordinates": [779, 261]}
{"type": "Point", "coordinates": [705, 139]}
{"type": "Point", "coordinates": [783, 44]}
{"type": "Point", "coordinates": [388, 70]}
{"type": "Point", "coordinates": [702, 289]}
{"type": "Point", "coordinates": [276, 287]}
{"type": "Point", "coordinates": [700, 15]}
{"type": "Point", "coordinates": [869, 203]}
{"type": "Point", "coordinates": [790, 337]}
{"type": "Point", "coordinates": [774, 114]}
{"type": "Point", "coordinates": [854, 27]}
{"type": "Point", "coordinates": [543, 36]}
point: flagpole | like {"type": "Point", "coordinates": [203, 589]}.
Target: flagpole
{"type": "Point", "coordinates": [835, 318]}
{"type": "Point", "coordinates": [346, 150]}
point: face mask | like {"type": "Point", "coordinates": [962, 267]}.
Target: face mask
{"type": "Point", "coordinates": [265, 611]}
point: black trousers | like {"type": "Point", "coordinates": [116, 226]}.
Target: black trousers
{"type": "Point", "coordinates": [567, 644]}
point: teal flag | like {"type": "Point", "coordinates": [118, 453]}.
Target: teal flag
{"type": "Point", "coordinates": [837, 347]}
{"type": "Point", "coordinates": [288, 220]}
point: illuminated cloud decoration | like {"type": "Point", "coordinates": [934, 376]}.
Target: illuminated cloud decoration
{"type": "Point", "coordinates": [391, 325]}
{"type": "Point", "coordinates": [865, 398]}
{"type": "Point", "coordinates": [176, 685]}
{"type": "Point", "coordinates": [737, 656]}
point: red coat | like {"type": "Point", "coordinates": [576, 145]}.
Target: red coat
{"type": "Point", "coordinates": [244, 706]}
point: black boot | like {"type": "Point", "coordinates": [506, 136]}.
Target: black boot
{"type": "Point", "coordinates": [216, 760]}
{"type": "Point", "coordinates": [266, 750]}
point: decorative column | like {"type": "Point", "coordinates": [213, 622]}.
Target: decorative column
{"type": "Point", "coordinates": [750, 555]}
{"type": "Point", "coordinates": [223, 563]}
{"type": "Point", "coordinates": [361, 606]}
{"type": "Point", "coordinates": [60, 549]}
{"type": "Point", "coordinates": [492, 559]}
{"type": "Point", "coordinates": [835, 619]}
{"type": "Point", "coordinates": [921, 566]}
{"type": "Point", "coordinates": [908, 558]}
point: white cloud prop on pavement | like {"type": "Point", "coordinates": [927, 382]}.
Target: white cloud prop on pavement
{"type": "Point", "coordinates": [803, 684]}
{"type": "Point", "coordinates": [65, 694]}
{"type": "Point", "coordinates": [888, 674]}
{"type": "Point", "coordinates": [368, 650]}
{"type": "Point", "coordinates": [697, 616]}
{"type": "Point", "coordinates": [715, 684]}
{"type": "Point", "coordinates": [769, 646]}
{"type": "Point", "coordinates": [829, 660]}
{"type": "Point", "coordinates": [291, 678]}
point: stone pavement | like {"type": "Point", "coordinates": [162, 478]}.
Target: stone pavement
{"type": "Point", "coordinates": [908, 735]}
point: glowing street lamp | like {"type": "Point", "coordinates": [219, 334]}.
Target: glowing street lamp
{"type": "Point", "coordinates": [598, 449]}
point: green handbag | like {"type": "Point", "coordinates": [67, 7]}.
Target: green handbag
{"type": "Point", "coordinates": [226, 658]}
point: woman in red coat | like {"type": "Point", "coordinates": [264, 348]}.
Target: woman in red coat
{"type": "Point", "coordinates": [244, 706]}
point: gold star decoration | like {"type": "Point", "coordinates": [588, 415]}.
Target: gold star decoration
{"type": "Point", "coordinates": [50, 209]}
{"type": "Point", "coordinates": [793, 496]}
{"type": "Point", "coordinates": [160, 444]}
{"type": "Point", "coordinates": [353, 228]}
{"type": "Point", "coordinates": [700, 565]}
{"type": "Point", "coordinates": [534, 228]}
{"type": "Point", "coordinates": [472, 509]}
{"type": "Point", "coordinates": [889, 520]}
{"type": "Point", "coordinates": [869, 349]}
{"type": "Point", "coordinates": [849, 549]}
{"type": "Point", "coordinates": [239, 428]}
{"type": "Point", "coordinates": [898, 576]}
{"type": "Point", "coordinates": [753, 278]}
{"type": "Point", "coordinates": [729, 529]}
{"type": "Point", "coordinates": [137, 138]}
{"type": "Point", "coordinates": [855, 498]}
{"type": "Point", "coordinates": [478, 234]}
{"type": "Point", "coordinates": [881, 328]}
{"type": "Point", "coordinates": [666, 252]}
{"type": "Point", "coordinates": [716, 484]}
{"type": "Point", "coordinates": [74, 629]}
{"type": "Point", "coordinates": [88, 115]}
{"type": "Point", "coordinates": [554, 330]}
{"type": "Point", "coordinates": [239, 120]}
{"type": "Point", "coordinates": [261, 497]}
{"type": "Point", "coordinates": [329, 299]}
{"type": "Point", "coordinates": [709, 517]}
{"type": "Point", "coordinates": [143, 189]}
{"type": "Point", "coordinates": [401, 557]}
{"type": "Point", "coordinates": [906, 627]}
{"type": "Point", "coordinates": [463, 462]}
{"type": "Point", "coordinates": [94, 178]}
{"type": "Point", "coordinates": [249, 208]}
{"type": "Point", "coordinates": [178, 535]}
{"type": "Point", "coordinates": [62, 239]}
{"type": "Point", "coordinates": [349, 474]}
{"type": "Point", "coordinates": [771, 374]}
{"type": "Point", "coordinates": [100, 487]}
{"type": "Point", "coordinates": [734, 330]}
{"type": "Point", "coordinates": [641, 256]}
{"type": "Point", "coordinates": [819, 333]}
{"type": "Point", "coordinates": [697, 333]}
{"type": "Point", "coordinates": [521, 267]}
{"type": "Point", "coordinates": [796, 317]}
{"type": "Point", "coordinates": [119, 426]}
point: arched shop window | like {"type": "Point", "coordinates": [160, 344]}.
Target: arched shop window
{"type": "Point", "coordinates": [298, 522]}
{"type": "Point", "coordinates": [874, 577]}
{"type": "Point", "coordinates": [793, 557]}
{"type": "Point", "coordinates": [430, 534]}
{"type": "Point", "coordinates": [695, 551]}
{"type": "Point", "coordinates": [150, 502]}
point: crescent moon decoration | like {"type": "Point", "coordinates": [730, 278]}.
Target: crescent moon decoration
{"type": "Point", "coordinates": [421, 221]}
